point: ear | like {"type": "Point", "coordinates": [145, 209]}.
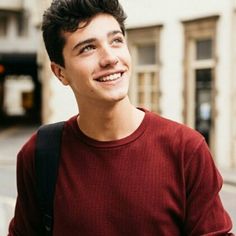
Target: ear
{"type": "Point", "coordinates": [59, 72]}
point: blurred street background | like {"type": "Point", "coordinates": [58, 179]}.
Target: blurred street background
{"type": "Point", "coordinates": [11, 139]}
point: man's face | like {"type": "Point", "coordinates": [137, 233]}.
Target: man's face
{"type": "Point", "coordinates": [97, 62]}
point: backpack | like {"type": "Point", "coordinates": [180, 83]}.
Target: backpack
{"type": "Point", "coordinates": [47, 155]}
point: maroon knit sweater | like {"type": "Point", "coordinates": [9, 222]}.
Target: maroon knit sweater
{"type": "Point", "coordinates": [160, 180]}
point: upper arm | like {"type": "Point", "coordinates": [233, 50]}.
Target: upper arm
{"type": "Point", "coordinates": [205, 213]}
{"type": "Point", "coordinates": [27, 217]}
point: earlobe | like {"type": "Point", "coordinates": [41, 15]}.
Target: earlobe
{"type": "Point", "coordinates": [59, 73]}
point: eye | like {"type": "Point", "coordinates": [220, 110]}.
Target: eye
{"type": "Point", "coordinates": [118, 40]}
{"type": "Point", "coordinates": [86, 49]}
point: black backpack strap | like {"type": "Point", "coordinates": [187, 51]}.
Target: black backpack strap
{"type": "Point", "coordinates": [48, 148]}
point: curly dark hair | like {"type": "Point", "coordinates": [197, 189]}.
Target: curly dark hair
{"type": "Point", "coordinates": [66, 15]}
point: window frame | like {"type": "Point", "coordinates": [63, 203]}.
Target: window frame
{"type": "Point", "coordinates": [140, 37]}
{"type": "Point", "coordinates": [194, 30]}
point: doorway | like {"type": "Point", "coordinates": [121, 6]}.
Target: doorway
{"type": "Point", "coordinates": [20, 89]}
{"type": "Point", "coordinates": [203, 102]}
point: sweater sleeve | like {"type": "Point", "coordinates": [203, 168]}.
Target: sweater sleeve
{"type": "Point", "coordinates": [205, 214]}
{"type": "Point", "coordinates": [27, 220]}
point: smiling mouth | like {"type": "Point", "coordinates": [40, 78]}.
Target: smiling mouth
{"type": "Point", "coordinates": [111, 77]}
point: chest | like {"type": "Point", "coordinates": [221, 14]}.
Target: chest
{"type": "Point", "coordinates": [118, 189]}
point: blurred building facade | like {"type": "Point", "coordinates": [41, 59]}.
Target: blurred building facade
{"type": "Point", "coordinates": [20, 86]}
{"type": "Point", "coordinates": [184, 65]}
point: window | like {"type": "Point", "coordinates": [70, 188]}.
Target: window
{"type": "Point", "coordinates": [144, 45]}
{"type": "Point", "coordinates": [204, 49]}
{"type": "Point", "coordinates": [3, 25]}
{"type": "Point", "coordinates": [22, 24]}
{"type": "Point", "coordinates": [200, 65]}
{"type": "Point", "coordinates": [18, 96]}
{"type": "Point", "coordinates": [146, 54]}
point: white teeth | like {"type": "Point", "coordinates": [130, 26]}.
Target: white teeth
{"type": "Point", "coordinates": [110, 77]}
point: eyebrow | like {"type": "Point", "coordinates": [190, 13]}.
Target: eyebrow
{"type": "Point", "coordinates": [91, 40]}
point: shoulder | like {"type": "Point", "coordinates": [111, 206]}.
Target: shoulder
{"type": "Point", "coordinates": [173, 130]}
{"type": "Point", "coordinates": [26, 155]}
{"type": "Point", "coordinates": [185, 146]}
{"type": "Point", "coordinates": [25, 158]}
{"type": "Point", "coordinates": [178, 139]}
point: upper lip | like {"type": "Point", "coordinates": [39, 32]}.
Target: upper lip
{"type": "Point", "coordinates": [107, 73]}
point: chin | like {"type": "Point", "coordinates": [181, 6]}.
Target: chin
{"type": "Point", "coordinates": [120, 95]}
{"type": "Point", "coordinates": [119, 99]}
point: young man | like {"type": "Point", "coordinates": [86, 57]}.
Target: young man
{"type": "Point", "coordinates": [123, 170]}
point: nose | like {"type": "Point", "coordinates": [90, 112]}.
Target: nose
{"type": "Point", "coordinates": [108, 57]}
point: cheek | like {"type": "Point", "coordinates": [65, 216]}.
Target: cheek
{"type": "Point", "coordinates": [86, 67]}
{"type": "Point", "coordinates": [127, 57]}
{"type": "Point", "coordinates": [80, 70]}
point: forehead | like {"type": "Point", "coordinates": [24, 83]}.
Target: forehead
{"type": "Point", "coordinates": [98, 26]}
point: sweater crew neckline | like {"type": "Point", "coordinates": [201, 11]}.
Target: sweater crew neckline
{"type": "Point", "coordinates": [114, 143]}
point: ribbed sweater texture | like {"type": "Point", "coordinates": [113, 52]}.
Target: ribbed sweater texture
{"type": "Point", "coordinates": [160, 180]}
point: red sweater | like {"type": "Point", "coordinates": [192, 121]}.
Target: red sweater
{"type": "Point", "coordinates": [160, 180]}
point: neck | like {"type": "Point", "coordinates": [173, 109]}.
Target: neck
{"type": "Point", "coordinates": [110, 122]}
